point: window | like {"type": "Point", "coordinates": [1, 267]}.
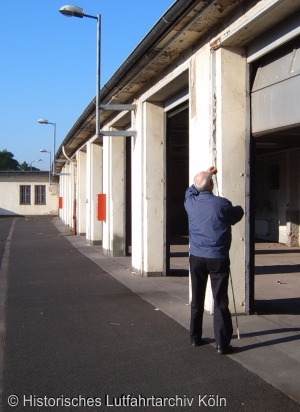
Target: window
{"type": "Point", "coordinates": [25, 195]}
{"type": "Point", "coordinates": [40, 195]}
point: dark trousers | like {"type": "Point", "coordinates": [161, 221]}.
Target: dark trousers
{"type": "Point", "coordinates": [219, 275]}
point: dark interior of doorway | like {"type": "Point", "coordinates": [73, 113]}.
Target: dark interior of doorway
{"type": "Point", "coordinates": [177, 163]}
{"type": "Point", "coordinates": [276, 266]}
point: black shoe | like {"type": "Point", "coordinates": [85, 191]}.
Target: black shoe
{"type": "Point", "coordinates": [224, 350]}
{"type": "Point", "coordinates": [196, 342]}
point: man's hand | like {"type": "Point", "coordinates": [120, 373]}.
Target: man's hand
{"type": "Point", "coordinates": [212, 170]}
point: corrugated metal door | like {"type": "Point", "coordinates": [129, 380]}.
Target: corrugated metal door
{"type": "Point", "coordinates": [276, 89]}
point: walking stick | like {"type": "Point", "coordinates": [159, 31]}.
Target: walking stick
{"type": "Point", "coordinates": [236, 318]}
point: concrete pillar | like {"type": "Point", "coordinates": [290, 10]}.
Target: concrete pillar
{"type": "Point", "coordinates": [88, 195]}
{"type": "Point", "coordinates": [65, 194]}
{"type": "Point", "coordinates": [96, 188]}
{"type": "Point", "coordinates": [137, 191]}
{"type": "Point", "coordinates": [231, 125]}
{"type": "Point", "coordinates": [69, 195]}
{"type": "Point", "coordinates": [81, 193]}
{"type": "Point", "coordinates": [114, 188]}
{"type": "Point", "coordinates": [72, 192]}
{"type": "Point", "coordinates": [201, 153]}
{"type": "Point", "coordinates": [61, 194]}
{"type": "Point", "coordinates": [201, 146]}
{"type": "Point", "coordinates": [148, 188]}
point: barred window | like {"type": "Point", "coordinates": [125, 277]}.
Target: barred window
{"type": "Point", "coordinates": [40, 195]}
{"type": "Point", "coordinates": [25, 195]}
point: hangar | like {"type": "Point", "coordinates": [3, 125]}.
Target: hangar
{"type": "Point", "coordinates": [213, 82]}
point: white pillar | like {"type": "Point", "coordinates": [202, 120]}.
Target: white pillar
{"type": "Point", "coordinates": [81, 193]}
{"type": "Point", "coordinates": [61, 195]}
{"type": "Point", "coordinates": [201, 153]}
{"type": "Point", "coordinates": [96, 188]}
{"type": "Point", "coordinates": [137, 190]}
{"type": "Point", "coordinates": [231, 125]}
{"type": "Point", "coordinates": [69, 196]}
{"type": "Point", "coordinates": [114, 188]}
{"type": "Point", "coordinates": [148, 189]}
{"type": "Point", "coordinates": [66, 194]}
{"type": "Point", "coordinates": [72, 192]}
{"type": "Point", "coordinates": [88, 192]}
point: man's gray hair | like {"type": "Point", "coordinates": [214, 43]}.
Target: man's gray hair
{"type": "Point", "coordinates": [202, 181]}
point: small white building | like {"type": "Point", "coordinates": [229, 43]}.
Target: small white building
{"type": "Point", "coordinates": [213, 83]}
{"type": "Point", "coordinates": [28, 193]}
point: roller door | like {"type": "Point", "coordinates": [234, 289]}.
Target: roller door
{"type": "Point", "coordinates": [276, 90]}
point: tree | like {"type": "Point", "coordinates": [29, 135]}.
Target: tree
{"type": "Point", "coordinates": [7, 162]}
{"type": "Point", "coordinates": [24, 166]}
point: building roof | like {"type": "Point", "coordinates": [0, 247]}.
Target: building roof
{"type": "Point", "coordinates": [185, 24]}
{"type": "Point", "coordinates": [27, 176]}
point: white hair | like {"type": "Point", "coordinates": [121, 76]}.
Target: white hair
{"type": "Point", "coordinates": [204, 182]}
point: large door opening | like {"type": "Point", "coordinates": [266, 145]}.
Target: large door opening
{"type": "Point", "coordinates": [177, 172]}
{"type": "Point", "coordinates": [277, 224]}
{"type": "Point", "coordinates": [276, 186]}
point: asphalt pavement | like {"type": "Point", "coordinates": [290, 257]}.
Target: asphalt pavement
{"type": "Point", "coordinates": [78, 339]}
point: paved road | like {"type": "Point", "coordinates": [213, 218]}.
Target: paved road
{"type": "Point", "coordinates": [73, 331]}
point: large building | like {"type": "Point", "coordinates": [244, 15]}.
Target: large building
{"type": "Point", "coordinates": [27, 193]}
{"type": "Point", "coordinates": [213, 83]}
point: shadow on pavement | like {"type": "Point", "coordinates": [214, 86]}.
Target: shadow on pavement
{"type": "Point", "coordinates": [287, 306]}
{"type": "Point", "coordinates": [270, 270]}
{"type": "Point", "coordinates": [270, 342]}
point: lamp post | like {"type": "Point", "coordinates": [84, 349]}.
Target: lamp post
{"type": "Point", "coordinates": [47, 151]}
{"type": "Point", "coordinates": [75, 11]}
{"type": "Point", "coordinates": [44, 121]}
{"type": "Point", "coordinates": [38, 160]}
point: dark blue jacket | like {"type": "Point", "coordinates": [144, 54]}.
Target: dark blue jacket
{"type": "Point", "coordinates": [210, 221]}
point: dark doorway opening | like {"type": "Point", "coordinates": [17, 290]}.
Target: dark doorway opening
{"type": "Point", "coordinates": [275, 170]}
{"type": "Point", "coordinates": [177, 163]}
{"type": "Point", "coordinates": [276, 225]}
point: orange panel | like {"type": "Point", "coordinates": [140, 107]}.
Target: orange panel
{"type": "Point", "coordinates": [60, 202]}
{"type": "Point", "coordinates": [101, 207]}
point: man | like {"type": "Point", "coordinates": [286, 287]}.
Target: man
{"type": "Point", "coordinates": [210, 221]}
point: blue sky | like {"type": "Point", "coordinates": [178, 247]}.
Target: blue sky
{"type": "Point", "coordinates": [48, 64]}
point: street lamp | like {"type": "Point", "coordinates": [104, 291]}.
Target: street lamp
{"type": "Point", "coordinates": [75, 11]}
{"type": "Point", "coordinates": [47, 151]}
{"type": "Point", "coordinates": [44, 121]}
{"type": "Point", "coordinates": [38, 160]}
